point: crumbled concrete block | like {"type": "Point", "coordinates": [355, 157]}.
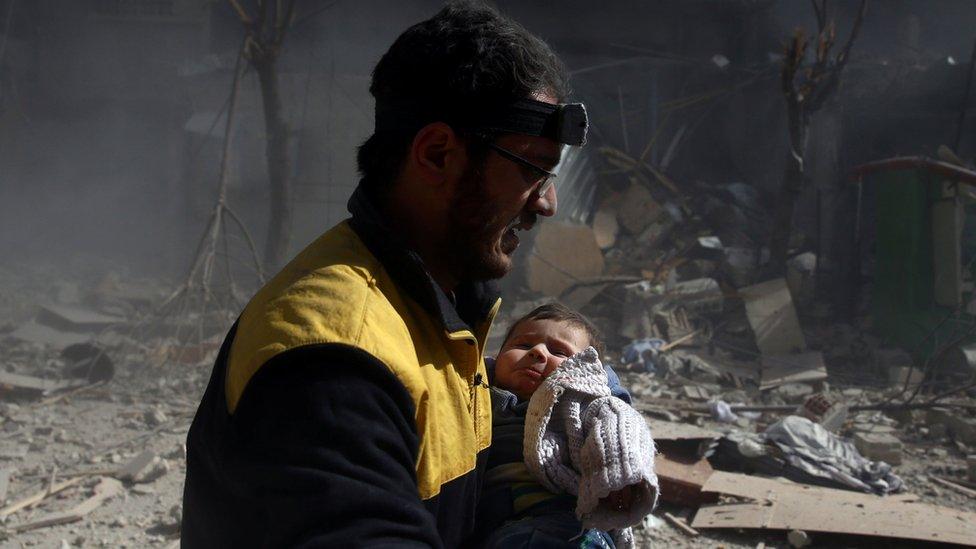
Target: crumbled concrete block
{"type": "Point", "coordinates": [879, 447]}
{"type": "Point", "coordinates": [899, 375]}
{"type": "Point", "coordinates": [961, 429]}
{"type": "Point", "coordinates": [798, 538]}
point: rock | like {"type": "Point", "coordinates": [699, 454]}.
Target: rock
{"type": "Point", "coordinates": [158, 469]}
{"type": "Point", "coordinates": [156, 417]}
{"type": "Point", "coordinates": [119, 522]}
{"type": "Point", "coordinates": [793, 392]}
{"type": "Point", "coordinates": [176, 513]}
{"type": "Point", "coordinates": [142, 489]}
{"type": "Point", "coordinates": [940, 453]}
{"type": "Point", "coordinates": [971, 463]}
{"type": "Point", "coordinates": [798, 538]}
{"type": "Point", "coordinates": [960, 428]}
{"type": "Point", "coordinates": [178, 452]}
{"type": "Point", "coordinates": [879, 447]}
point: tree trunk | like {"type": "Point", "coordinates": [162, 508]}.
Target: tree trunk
{"type": "Point", "coordinates": [779, 242]}
{"type": "Point", "coordinates": [276, 150]}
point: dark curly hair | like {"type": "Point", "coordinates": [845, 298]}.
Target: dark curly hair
{"type": "Point", "coordinates": [466, 60]}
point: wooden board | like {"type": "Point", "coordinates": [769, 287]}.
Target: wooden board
{"type": "Point", "coordinates": [681, 475]}
{"type": "Point", "coordinates": [31, 383]}
{"type": "Point", "coordinates": [637, 209]}
{"type": "Point", "coordinates": [769, 307]}
{"type": "Point", "coordinates": [563, 253]}
{"type": "Point", "coordinates": [783, 505]}
{"type": "Point", "coordinates": [669, 430]}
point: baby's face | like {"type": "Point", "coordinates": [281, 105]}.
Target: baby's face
{"type": "Point", "coordinates": [533, 351]}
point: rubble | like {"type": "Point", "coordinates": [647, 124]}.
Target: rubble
{"type": "Point", "coordinates": [879, 447]}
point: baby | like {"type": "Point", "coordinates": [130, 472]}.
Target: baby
{"type": "Point", "coordinates": [548, 485]}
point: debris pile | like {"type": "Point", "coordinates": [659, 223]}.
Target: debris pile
{"type": "Point", "coordinates": [94, 410]}
{"type": "Point", "coordinates": [770, 416]}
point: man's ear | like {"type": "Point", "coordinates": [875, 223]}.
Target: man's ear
{"type": "Point", "coordinates": [437, 153]}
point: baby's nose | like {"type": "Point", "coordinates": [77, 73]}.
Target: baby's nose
{"type": "Point", "coordinates": [539, 352]}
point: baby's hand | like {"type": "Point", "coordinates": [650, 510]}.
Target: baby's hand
{"type": "Point", "coordinates": [622, 499]}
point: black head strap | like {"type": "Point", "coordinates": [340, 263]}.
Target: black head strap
{"type": "Point", "coordinates": [564, 123]}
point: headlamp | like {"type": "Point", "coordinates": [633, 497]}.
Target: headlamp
{"type": "Point", "coordinates": [565, 123]}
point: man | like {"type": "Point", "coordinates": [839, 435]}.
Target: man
{"type": "Point", "coordinates": [348, 405]}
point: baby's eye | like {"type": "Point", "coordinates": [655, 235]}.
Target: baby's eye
{"type": "Point", "coordinates": [523, 346]}
{"type": "Point", "coordinates": [561, 354]}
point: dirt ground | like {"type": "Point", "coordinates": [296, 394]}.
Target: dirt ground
{"type": "Point", "coordinates": [88, 434]}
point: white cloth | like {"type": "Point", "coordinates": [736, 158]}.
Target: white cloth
{"type": "Point", "coordinates": [582, 441]}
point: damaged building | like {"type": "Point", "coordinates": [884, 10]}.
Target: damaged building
{"type": "Point", "coordinates": [771, 224]}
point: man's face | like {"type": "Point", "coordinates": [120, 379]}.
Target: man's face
{"type": "Point", "coordinates": [495, 199]}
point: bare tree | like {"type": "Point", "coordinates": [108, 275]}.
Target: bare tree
{"type": "Point", "coordinates": [266, 29]}
{"type": "Point", "coordinates": [806, 87]}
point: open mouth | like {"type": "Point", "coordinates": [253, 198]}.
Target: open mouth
{"type": "Point", "coordinates": [510, 239]}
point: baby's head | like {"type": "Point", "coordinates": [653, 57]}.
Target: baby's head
{"type": "Point", "coordinates": [538, 343]}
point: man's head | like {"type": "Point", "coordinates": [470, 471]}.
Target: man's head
{"type": "Point", "coordinates": [456, 99]}
{"type": "Point", "coordinates": [538, 343]}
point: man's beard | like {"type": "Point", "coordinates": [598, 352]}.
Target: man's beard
{"type": "Point", "coordinates": [474, 226]}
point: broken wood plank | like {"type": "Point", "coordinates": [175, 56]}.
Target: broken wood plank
{"type": "Point", "coordinates": [683, 339]}
{"type": "Point", "coordinates": [38, 497]}
{"type": "Point", "coordinates": [105, 489]}
{"type": "Point", "coordinates": [669, 430]}
{"type": "Point", "coordinates": [798, 368]}
{"type": "Point", "coordinates": [682, 474]}
{"type": "Point", "coordinates": [562, 254]}
{"type": "Point", "coordinates": [31, 383]}
{"type": "Point", "coordinates": [957, 487]}
{"type": "Point", "coordinates": [680, 524]}
{"type": "Point", "coordinates": [783, 505]}
{"type": "Point", "coordinates": [769, 308]}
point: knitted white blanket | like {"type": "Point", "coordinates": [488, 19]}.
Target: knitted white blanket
{"type": "Point", "coordinates": [581, 440]}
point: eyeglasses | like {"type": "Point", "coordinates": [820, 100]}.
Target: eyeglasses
{"type": "Point", "coordinates": [546, 178]}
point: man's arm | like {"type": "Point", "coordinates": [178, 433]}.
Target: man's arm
{"type": "Point", "coordinates": [327, 449]}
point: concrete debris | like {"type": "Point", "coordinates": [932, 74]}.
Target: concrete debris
{"type": "Point", "coordinates": [803, 368]}
{"type": "Point", "coordinates": [4, 483]}
{"type": "Point", "coordinates": [156, 417]}
{"type": "Point", "coordinates": [562, 253]}
{"type": "Point", "coordinates": [879, 447]}
{"type": "Point", "coordinates": [769, 307]}
{"type": "Point", "coordinates": [106, 488]}
{"type": "Point", "coordinates": [793, 392]}
{"type": "Point", "coordinates": [962, 429]}
{"type": "Point", "coordinates": [798, 538]}
{"type": "Point", "coordinates": [135, 467]}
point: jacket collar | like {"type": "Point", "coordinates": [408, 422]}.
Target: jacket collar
{"type": "Point", "coordinates": [474, 299]}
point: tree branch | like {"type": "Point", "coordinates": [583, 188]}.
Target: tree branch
{"type": "Point", "coordinates": [833, 76]}
{"type": "Point", "coordinates": [283, 21]}
{"type": "Point", "coordinates": [241, 12]}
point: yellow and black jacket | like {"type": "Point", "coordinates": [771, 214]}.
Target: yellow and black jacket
{"type": "Point", "coordinates": [348, 404]}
